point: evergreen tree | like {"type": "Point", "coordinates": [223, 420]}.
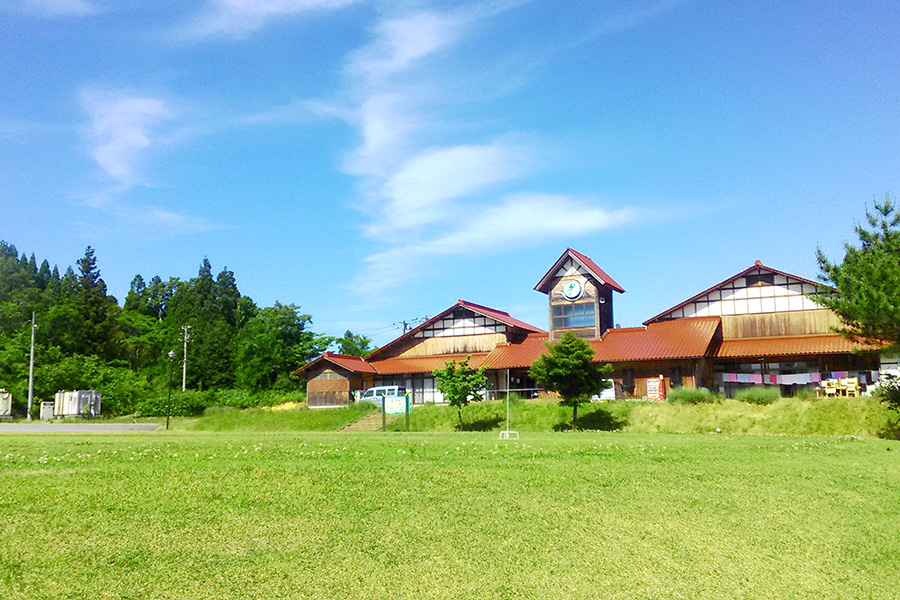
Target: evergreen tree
{"type": "Point", "coordinates": [868, 279]}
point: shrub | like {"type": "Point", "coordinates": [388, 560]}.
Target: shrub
{"type": "Point", "coordinates": [682, 395]}
{"type": "Point", "coordinates": [184, 404]}
{"type": "Point", "coordinates": [805, 394]}
{"type": "Point", "coordinates": [888, 391]}
{"type": "Point", "coordinates": [759, 395]}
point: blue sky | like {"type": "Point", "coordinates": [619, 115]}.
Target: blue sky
{"type": "Point", "coordinates": [375, 161]}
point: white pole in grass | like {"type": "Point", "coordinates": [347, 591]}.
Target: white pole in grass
{"type": "Point", "coordinates": [506, 434]}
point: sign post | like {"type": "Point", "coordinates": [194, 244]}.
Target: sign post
{"type": "Point", "coordinates": [656, 389]}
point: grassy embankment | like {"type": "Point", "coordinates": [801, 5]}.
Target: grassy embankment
{"type": "Point", "coordinates": [287, 417]}
{"type": "Point", "coordinates": [312, 515]}
{"type": "Point", "coordinates": [845, 416]}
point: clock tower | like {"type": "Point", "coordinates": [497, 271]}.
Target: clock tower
{"type": "Point", "coordinates": [580, 296]}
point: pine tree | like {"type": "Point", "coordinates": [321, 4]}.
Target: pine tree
{"type": "Point", "coordinates": [868, 279]}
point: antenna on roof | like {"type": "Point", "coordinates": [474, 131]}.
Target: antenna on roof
{"type": "Point", "coordinates": [408, 325]}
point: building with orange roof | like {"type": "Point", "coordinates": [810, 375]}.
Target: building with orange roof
{"type": "Point", "coordinates": [759, 327]}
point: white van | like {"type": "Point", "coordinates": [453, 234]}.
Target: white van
{"type": "Point", "coordinates": [376, 395]}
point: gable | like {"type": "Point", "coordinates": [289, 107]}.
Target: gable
{"type": "Point", "coordinates": [573, 263]}
{"type": "Point", "coordinates": [462, 321]}
{"type": "Point", "coordinates": [571, 267]}
{"type": "Point", "coordinates": [757, 290]}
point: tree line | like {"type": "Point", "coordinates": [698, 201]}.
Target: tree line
{"type": "Point", "coordinates": [86, 340]}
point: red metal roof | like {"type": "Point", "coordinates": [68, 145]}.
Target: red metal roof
{"type": "Point", "coordinates": [513, 356]}
{"type": "Point", "coordinates": [355, 364]}
{"type": "Point", "coordinates": [587, 263]}
{"type": "Point", "coordinates": [422, 364]}
{"type": "Point", "coordinates": [497, 315]}
{"type": "Point", "coordinates": [790, 345]}
{"type": "Point", "coordinates": [756, 265]}
{"type": "Point", "coordinates": [680, 338]}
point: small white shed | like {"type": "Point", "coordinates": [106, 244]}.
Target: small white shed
{"type": "Point", "coordinates": [78, 403]}
{"type": "Point", "coordinates": [5, 404]}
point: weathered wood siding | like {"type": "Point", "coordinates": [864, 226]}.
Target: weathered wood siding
{"type": "Point", "coordinates": [599, 297]}
{"type": "Point", "coordinates": [693, 374]}
{"type": "Point", "coordinates": [453, 345]}
{"type": "Point", "coordinates": [802, 322]}
{"type": "Point", "coordinates": [332, 387]}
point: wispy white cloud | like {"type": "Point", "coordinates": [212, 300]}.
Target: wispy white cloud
{"type": "Point", "coordinates": [122, 126]}
{"type": "Point", "coordinates": [422, 191]}
{"type": "Point", "coordinates": [634, 17]}
{"type": "Point", "coordinates": [401, 42]}
{"type": "Point", "coordinates": [387, 123]}
{"type": "Point", "coordinates": [238, 19]}
{"type": "Point", "coordinates": [517, 220]}
{"type": "Point", "coordinates": [52, 8]}
{"type": "Point", "coordinates": [435, 183]}
{"type": "Point", "coordinates": [528, 216]}
{"type": "Point", "coordinates": [153, 220]}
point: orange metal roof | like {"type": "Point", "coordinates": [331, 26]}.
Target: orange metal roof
{"type": "Point", "coordinates": [544, 284]}
{"type": "Point", "coordinates": [352, 363]}
{"type": "Point", "coordinates": [422, 364]}
{"type": "Point", "coordinates": [790, 345]}
{"type": "Point", "coordinates": [513, 356]}
{"type": "Point", "coordinates": [681, 338]}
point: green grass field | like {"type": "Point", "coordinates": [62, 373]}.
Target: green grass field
{"type": "Point", "coordinates": [455, 515]}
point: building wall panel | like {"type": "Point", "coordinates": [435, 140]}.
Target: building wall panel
{"type": "Point", "coordinates": [780, 323]}
{"type": "Point", "coordinates": [454, 345]}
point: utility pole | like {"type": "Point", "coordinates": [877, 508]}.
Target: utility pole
{"type": "Point", "coordinates": [31, 371]}
{"type": "Point", "coordinates": [187, 336]}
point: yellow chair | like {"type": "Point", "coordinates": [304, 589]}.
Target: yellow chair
{"type": "Point", "coordinates": [831, 388]}
{"type": "Point", "coordinates": [851, 386]}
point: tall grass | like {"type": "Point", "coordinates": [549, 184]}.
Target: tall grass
{"type": "Point", "coordinates": [528, 415]}
{"type": "Point", "coordinates": [301, 418]}
{"type": "Point", "coordinates": [841, 416]}
{"type": "Point", "coordinates": [692, 396]}
{"type": "Point", "coordinates": [789, 416]}
{"type": "Point", "coordinates": [192, 403]}
{"type": "Point", "coordinates": [759, 394]}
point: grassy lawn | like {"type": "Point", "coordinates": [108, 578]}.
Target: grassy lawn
{"type": "Point", "coordinates": [461, 515]}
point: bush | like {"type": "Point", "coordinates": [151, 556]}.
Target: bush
{"type": "Point", "coordinates": [888, 391]}
{"type": "Point", "coordinates": [184, 404]}
{"type": "Point", "coordinates": [682, 395]}
{"type": "Point", "coordinates": [759, 395]}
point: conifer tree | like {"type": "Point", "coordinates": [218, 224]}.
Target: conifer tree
{"type": "Point", "coordinates": [867, 280]}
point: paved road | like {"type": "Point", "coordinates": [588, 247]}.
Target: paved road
{"type": "Point", "coordinates": [38, 427]}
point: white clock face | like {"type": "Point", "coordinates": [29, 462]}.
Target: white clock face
{"type": "Point", "coordinates": [572, 289]}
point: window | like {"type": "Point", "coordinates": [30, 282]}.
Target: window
{"type": "Point", "coordinates": [760, 279]}
{"type": "Point", "coordinates": [568, 316]}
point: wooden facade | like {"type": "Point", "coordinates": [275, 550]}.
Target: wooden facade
{"type": "Point", "coordinates": [801, 322]}
{"type": "Point", "coordinates": [331, 385]}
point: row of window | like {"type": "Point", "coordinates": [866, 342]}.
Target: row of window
{"type": "Point", "coordinates": [569, 316]}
